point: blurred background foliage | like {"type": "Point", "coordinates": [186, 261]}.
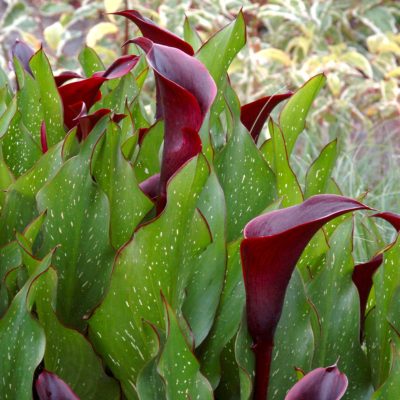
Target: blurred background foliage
{"type": "Point", "coordinates": [356, 43]}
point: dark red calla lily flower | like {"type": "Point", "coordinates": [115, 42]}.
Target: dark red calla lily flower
{"type": "Point", "coordinates": [320, 384]}
{"type": "Point", "coordinates": [392, 218]}
{"type": "Point", "coordinates": [185, 92]}
{"type": "Point", "coordinates": [50, 387]}
{"type": "Point", "coordinates": [272, 246]}
{"type": "Point", "coordinates": [86, 92]}
{"type": "Point", "coordinates": [43, 137]}
{"type": "Point", "coordinates": [23, 53]}
{"type": "Point", "coordinates": [156, 34]}
{"type": "Point", "coordinates": [150, 187]}
{"type": "Point", "coordinates": [253, 115]}
{"type": "Point", "coordinates": [362, 278]}
{"type": "Point", "coordinates": [65, 77]}
{"type": "Point", "coordinates": [86, 122]}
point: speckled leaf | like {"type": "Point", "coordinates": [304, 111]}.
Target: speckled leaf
{"type": "Point", "coordinates": [294, 340]}
{"type": "Point", "coordinates": [179, 367]}
{"type": "Point", "coordinates": [227, 319]}
{"type": "Point", "coordinates": [20, 203]}
{"type": "Point", "coordinates": [16, 142]}
{"type": "Point", "coordinates": [219, 51]}
{"type": "Point", "coordinates": [78, 219]}
{"type": "Point", "coordinates": [336, 301]}
{"type": "Point", "coordinates": [6, 179]}
{"type": "Point", "coordinates": [148, 159]}
{"type": "Point", "coordinates": [391, 387]}
{"type": "Point", "coordinates": [208, 270]}
{"type": "Point", "coordinates": [50, 99]}
{"type": "Point", "coordinates": [150, 385]}
{"type": "Point", "coordinates": [28, 99]}
{"type": "Point", "coordinates": [90, 61]}
{"type": "Point", "coordinates": [154, 260]}
{"type": "Point", "coordinates": [68, 353]}
{"type": "Point", "coordinates": [10, 258]}
{"type": "Point", "coordinates": [378, 331]}
{"type": "Point", "coordinates": [319, 174]}
{"type": "Point", "coordinates": [128, 204]}
{"type": "Point", "coordinates": [286, 181]}
{"type": "Point", "coordinates": [246, 179]}
{"type": "Point", "coordinates": [22, 343]}
{"type": "Point", "coordinates": [293, 116]}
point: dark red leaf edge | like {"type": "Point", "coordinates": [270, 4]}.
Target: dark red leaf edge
{"type": "Point", "coordinates": [156, 34]}
{"type": "Point", "coordinates": [253, 115]}
{"type": "Point", "coordinates": [272, 245]}
{"type": "Point", "coordinates": [50, 387]}
{"type": "Point", "coordinates": [185, 92]}
{"type": "Point", "coordinates": [391, 217]}
{"type": "Point", "coordinates": [362, 279]}
{"type": "Point", "coordinates": [23, 53]}
{"type": "Point", "coordinates": [321, 383]}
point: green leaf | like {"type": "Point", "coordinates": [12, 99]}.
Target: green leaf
{"type": "Point", "coordinates": [10, 258]}
{"type": "Point", "coordinates": [208, 270]}
{"type": "Point", "coordinates": [150, 385]}
{"type": "Point", "coordinates": [286, 181]}
{"type": "Point", "coordinates": [245, 360]}
{"type": "Point", "coordinates": [219, 51]}
{"type": "Point", "coordinates": [78, 216]}
{"type": "Point", "coordinates": [28, 98]}
{"type": "Point", "coordinates": [391, 387]}
{"type": "Point", "coordinates": [178, 366]}
{"type": "Point", "coordinates": [6, 179]}
{"type": "Point", "coordinates": [50, 99]}
{"type": "Point", "coordinates": [68, 353]}
{"type": "Point", "coordinates": [378, 331]}
{"type": "Point", "coordinates": [336, 302]}
{"type": "Point", "coordinates": [148, 159]}
{"type": "Point", "coordinates": [190, 35]}
{"type": "Point", "coordinates": [90, 61]}
{"type": "Point", "coordinates": [20, 203]}
{"type": "Point", "coordinates": [7, 117]}
{"type": "Point", "coordinates": [227, 319]}
{"type": "Point", "coordinates": [319, 174]}
{"type": "Point", "coordinates": [154, 260]}
{"type": "Point", "coordinates": [246, 179]}
{"type": "Point", "coordinates": [294, 340]}
{"type": "Point", "coordinates": [217, 54]}
{"type": "Point", "coordinates": [22, 342]}
{"type": "Point", "coordinates": [128, 204]}
{"type": "Point", "coordinates": [293, 115]}
{"type": "Point", "coordinates": [16, 142]}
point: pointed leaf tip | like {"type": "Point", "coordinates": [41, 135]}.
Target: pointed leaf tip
{"type": "Point", "coordinates": [50, 387]}
{"type": "Point", "coordinates": [156, 34]}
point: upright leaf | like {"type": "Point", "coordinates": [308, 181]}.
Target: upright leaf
{"type": "Point", "coordinates": [50, 99]}
{"type": "Point", "coordinates": [78, 220]}
{"type": "Point", "coordinates": [154, 260]}
{"type": "Point", "coordinates": [293, 116]}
